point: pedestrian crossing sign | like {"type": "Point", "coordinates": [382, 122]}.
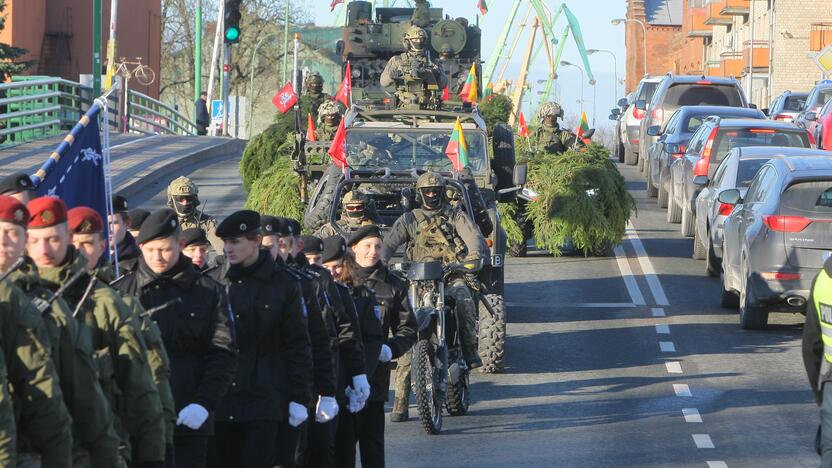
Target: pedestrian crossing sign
{"type": "Point", "coordinates": [217, 109]}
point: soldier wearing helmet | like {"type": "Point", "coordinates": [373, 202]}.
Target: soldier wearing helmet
{"type": "Point", "coordinates": [183, 197]}
{"type": "Point", "coordinates": [329, 117]}
{"type": "Point", "coordinates": [315, 96]}
{"type": "Point", "coordinates": [418, 79]}
{"type": "Point", "coordinates": [549, 137]}
{"type": "Point", "coordinates": [355, 213]}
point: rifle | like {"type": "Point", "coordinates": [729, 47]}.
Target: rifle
{"type": "Point", "coordinates": [19, 263]}
{"type": "Point", "coordinates": [87, 292]}
{"type": "Point", "coordinates": [149, 312]}
{"type": "Point", "coordinates": [43, 305]}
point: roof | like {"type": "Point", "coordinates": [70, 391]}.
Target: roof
{"type": "Point", "coordinates": [821, 161]}
{"type": "Point", "coordinates": [663, 12]}
{"type": "Point", "coordinates": [779, 151]}
{"type": "Point", "coordinates": [695, 78]}
{"type": "Point", "coordinates": [760, 123]}
{"type": "Point", "coordinates": [722, 110]}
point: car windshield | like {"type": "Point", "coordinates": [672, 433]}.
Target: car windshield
{"type": "Point", "coordinates": [729, 138]}
{"type": "Point", "coordinates": [409, 149]}
{"type": "Point", "coordinates": [747, 169]}
{"type": "Point", "coordinates": [695, 121]}
{"type": "Point", "coordinates": [794, 103]}
{"type": "Point", "coordinates": [693, 94]}
{"type": "Point", "coordinates": [808, 197]}
{"type": "Point", "coordinates": [647, 90]}
{"type": "Point", "coordinates": [824, 96]}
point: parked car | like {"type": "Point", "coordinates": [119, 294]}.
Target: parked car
{"type": "Point", "coordinates": [777, 237]}
{"type": "Point", "coordinates": [676, 91]}
{"type": "Point", "coordinates": [815, 122]}
{"type": "Point", "coordinates": [634, 115]}
{"type": "Point", "coordinates": [673, 141]}
{"type": "Point", "coordinates": [818, 96]}
{"type": "Point", "coordinates": [824, 138]}
{"type": "Point", "coordinates": [736, 171]}
{"type": "Point", "coordinates": [786, 106]}
{"type": "Point", "coordinates": [709, 146]}
{"type": "Point", "coordinates": [619, 114]}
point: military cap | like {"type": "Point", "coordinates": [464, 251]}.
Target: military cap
{"type": "Point", "coordinates": [137, 217]}
{"type": "Point", "coordinates": [334, 249]}
{"type": "Point", "coordinates": [364, 232]}
{"type": "Point", "coordinates": [195, 236]}
{"type": "Point", "coordinates": [275, 226]}
{"type": "Point", "coordinates": [239, 224]}
{"type": "Point", "coordinates": [13, 211]}
{"type": "Point", "coordinates": [295, 225]}
{"type": "Point", "coordinates": [84, 220]}
{"type": "Point", "coordinates": [14, 183]}
{"type": "Point", "coordinates": [46, 212]}
{"type": "Point", "coordinates": [312, 244]}
{"type": "Point", "coordinates": [158, 225]}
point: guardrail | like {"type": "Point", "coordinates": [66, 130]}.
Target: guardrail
{"type": "Point", "coordinates": [32, 108]}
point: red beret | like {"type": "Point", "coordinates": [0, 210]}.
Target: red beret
{"type": "Point", "coordinates": [46, 212]}
{"type": "Point", "coordinates": [12, 211]}
{"type": "Point", "coordinates": [85, 220]}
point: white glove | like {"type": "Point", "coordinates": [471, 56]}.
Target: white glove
{"type": "Point", "coordinates": [297, 414]}
{"type": "Point", "coordinates": [361, 386]}
{"type": "Point", "coordinates": [192, 416]}
{"type": "Point", "coordinates": [356, 404]}
{"type": "Point", "coordinates": [327, 409]}
{"type": "Point", "coordinates": [386, 354]}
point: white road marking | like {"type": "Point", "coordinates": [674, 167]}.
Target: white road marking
{"type": "Point", "coordinates": [667, 346]}
{"type": "Point", "coordinates": [663, 329]}
{"type": "Point", "coordinates": [682, 390]}
{"type": "Point", "coordinates": [717, 464]}
{"type": "Point", "coordinates": [627, 276]}
{"type": "Point", "coordinates": [658, 312]}
{"type": "Point", "coordinates": [133, 142]}
{"type": "Point", "coordinates": [673, 367]}
{"type": "Point", "coordinates": [703, 441]}
{"type": "Point", "coordinates": [598, 305]}
{"type": "Point", "coordinates": [647, 267]}
{"type": "Point", "coordinates": [691, 415]}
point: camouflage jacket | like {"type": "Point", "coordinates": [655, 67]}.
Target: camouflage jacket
{"type": "Point", "coordinates": [326, 132]}
{"type": "Point", "coordinates": [553, 140]}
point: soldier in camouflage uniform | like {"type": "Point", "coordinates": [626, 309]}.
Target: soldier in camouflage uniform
{"type": "Point", "coordinates": [329, 117]}
{"type": "Point", "coordinates": [354, 214]}
{"type": "Point", "coordinates": [549, 137]}
{"type": "Point", "coordinates": [183, 197]}
{"type": "Point", "coordinates": [8, 429]}
{"type": "Point", "coordinates": [311, 101]}
{"type": "Point", "coordinates": [419, 80]}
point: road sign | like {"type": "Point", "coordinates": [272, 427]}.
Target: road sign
{"type": "Point", "coordinates": [823, 60]}
{"type": "Point", "coordinates": [217, 109]}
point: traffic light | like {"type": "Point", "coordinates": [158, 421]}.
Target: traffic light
{"type": "Point", "coordinates": [232, 21]}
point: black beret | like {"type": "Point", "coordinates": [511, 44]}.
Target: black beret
{"type": "Point", "coordinates": [312, 244]}
{"type": "Point", "coordinates": [119, 204]}
{"type": "Point", "coordinates": [371, 230]}
{"type": "Point", "coordinates": [295, 225]}
{"type": "Point", "coordinates": [276, 226]}
{"type": "Point", "coordinates": [137, 217]}
{"type": "Point", "coordinates": [334, 249]}
{"type": "Point", "coordinates": [238, 224]}
{"type": "Point", "coordinates": [14, 183]}
{"type": "Point", "coordinates": [194, 236]}
{"type": "Point", "coordinates": [158, 225]}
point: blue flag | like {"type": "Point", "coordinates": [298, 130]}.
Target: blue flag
{"type": "Point", "coordinates": [78, 177]}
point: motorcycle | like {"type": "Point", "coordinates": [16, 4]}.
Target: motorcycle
{"type": "Point", "coordinates": [439, 375]}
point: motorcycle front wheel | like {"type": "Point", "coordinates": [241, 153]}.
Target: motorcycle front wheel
{"type": "Point", "coordinates": [458, 394]}
{"type": "Point", "coordinates": [427, 385]}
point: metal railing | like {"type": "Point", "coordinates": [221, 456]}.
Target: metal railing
{"type": "Point", "coordinates": [32, 108]}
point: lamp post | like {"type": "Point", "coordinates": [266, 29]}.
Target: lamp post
{"type": "Point", "coordinates": [570, 64]}
{"type": "Point", "coordinates": [616, 22]}
{"type": "Point", "coordinates": [614, 71]}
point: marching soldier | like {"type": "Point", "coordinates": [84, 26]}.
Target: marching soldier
{"type": "Point", "coordinates": [8, 429]}
{"type": "Point", "coordinates": [137, 217]}
{"type": "Point", "coordinates": [128, 250]}
{"type": "Point", "coordinates": [196, 247]}
{"type": "Point", "coordinates": [119, 349]}
{"type": "Point", "coordinates": [192, 313]}
{"type": "Point", "coordinates": [417, 77]}
{"type": "Point", "coordinates": [329, 118]}
{"type": "Point", "coordinates": [183, 197]}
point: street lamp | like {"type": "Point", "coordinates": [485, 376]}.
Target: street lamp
{"type": "Point", "coordinates": [570, 64]}
{"type": "Point", "coordinates": [615, 68]}
{"type": "Point", "coordinates": [616, 22]}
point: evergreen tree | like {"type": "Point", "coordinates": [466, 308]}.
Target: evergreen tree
{"type": "Point", "coordinates": [8, 53]}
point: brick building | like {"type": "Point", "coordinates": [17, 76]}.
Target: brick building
{"type": "Point", "coordinates": [663, 21]}
{"type": "Point", "coordinates": [58, 35]}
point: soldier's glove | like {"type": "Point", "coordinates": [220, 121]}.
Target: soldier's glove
{"type": "Point", "coordinates": [297, 414]}
{"type": "Point", "coordinates": [327, 409]}
{"type": "Point", "coordinates": [361, 386]}
{"type": "Point", "coordinates": [386, 354]}
{"type": "Point", "coordinates": [192, 416]}
{"type": "Point", "coordinates": [356, 404]}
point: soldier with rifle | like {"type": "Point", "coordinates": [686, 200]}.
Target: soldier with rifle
{"type": "Point", "coordinates": [418, 79]}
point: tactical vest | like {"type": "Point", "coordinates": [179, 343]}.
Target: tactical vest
{"type": "Point", "coordinates": [436, 238]}
{"type": "Point", "coordinates": [822, 294]}
{"type": "Point", "coordinates": [414, 91]}
{"type": "Point", "coordinates": [552, 140]}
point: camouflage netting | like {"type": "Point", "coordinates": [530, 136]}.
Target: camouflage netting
{"type": "Point", "coordinates": [277, 191]}
{"type": "Point", "coordinates": [508, 219]}
{"type": "Point", "coordinates": [582, 201]}
{"type": "Point", "coordinates": [495, 109]}
{"type": "Point", "coordinates": [263, 150]}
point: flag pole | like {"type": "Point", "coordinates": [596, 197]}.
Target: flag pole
{"type": "Point", "coordinates": [108, 179]}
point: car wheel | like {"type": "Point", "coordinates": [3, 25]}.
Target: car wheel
{"type": "Point", "coordinates": [651, 190]}
{"type": "Point", "coordinates": [752, 316]}
{"type": "Point", "coordinates": [688, 223]}
{"type": "Point", "coordinates": [674, 213]}
{"type": "Point", "coordinates": [630, 157]}
{"type": "Point", "coordinates": [698, 246]}
{"type": "Point", "coordinates": [641, 163]}
{"type": "Point", "coordinates": [727, 299]}
{"type": "Point", "coordinates": [621, 152]}
{"type": "Point", "coordinates": [713, 264]}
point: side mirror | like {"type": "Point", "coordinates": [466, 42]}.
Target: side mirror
{"type": "Point", "coordinates": [615, 111]}
{"type": "Point", "coordinates": [589, 133]}
{"type": "Point", "coordinates": [623, 102]}
{"type": "Point", "coordinates": [641, 104]}
{"type": "Point", "coordinates": [521, 174]}
{"type": "Point", "coordinates": [672, 148]}
{"type": "Point", "coordinates": [730, 197]}
{"type": "Point", "coordinates": [613, 117]}
{"type": "Point", "coordinates": [811, 116]}
{"type": "Point", "coordinates": [752, 106]}
{"type": "Point", "coordinates": [654, 130]}
{"type": "Point", "coordinates": [701, 180]}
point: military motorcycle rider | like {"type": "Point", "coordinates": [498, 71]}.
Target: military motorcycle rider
{"type": "Point", "coordinates": [409, 71]}
{"type": "Point", "coordinates": [354, 214]}
{"type": "Point", "coordinates": [549, 137]}
{"type": "Point", "coordinates": [183, 198]}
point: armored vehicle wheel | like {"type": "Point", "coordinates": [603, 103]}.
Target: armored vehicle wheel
{"type": "Point", "coordinates": [459, 396]}
{"type": "Point", "coordinates": [318, 214]}
{"type": "Point", "coordinates": [427, 385]}
{"type": "Point", "coordinates": [492, 335]}
{"type": "Point", "coordinates": [518, 249]}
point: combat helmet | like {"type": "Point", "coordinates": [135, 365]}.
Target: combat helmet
{"type": "Point", "coordinates": [431, 188]}
{"type": "Point", "coordinates": [314, 82]}
{"type": "Point", "coordinates": [183, 187]}
{"type": "Point", "coordinates": [327, 108]}
{"type": "Point", "coordinates": [354, 204]}
{"type": "Point", "coordinates": [415, 38]}
{"type": "Point", "coordinates": [550, 109]}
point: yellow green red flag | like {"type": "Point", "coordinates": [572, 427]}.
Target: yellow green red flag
{"type": "Point", "coordinates": [489, 90]}
{"type": "Point", "coordinates": [470, 91]}
{"type": "Point", "coordinates": [457, 150]}
{"type": "Point", "coordinates": [583, 126]}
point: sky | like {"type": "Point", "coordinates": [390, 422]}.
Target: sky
{"type": "Point", "coordinates": [594, 17]}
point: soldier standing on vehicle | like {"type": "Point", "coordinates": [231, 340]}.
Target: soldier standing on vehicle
{"type": "Point", "coordinates": [549, 137]}
{"type": "Point", "coordinates": [128, 249]}
{"type": "Point", "coordinates": [183, 197]}
{"type": "Point", "coordinates": [329, 118]}
{"type": "Point", "coordinates": [354, 214]}
{"type": "Point", "coordinates": [196, 331]}
{"type": "Point", "coordinates": [419, 80]}
{"type": "Point", "coordinates": [273, 383]}
{"type": "Point", "coordinates": [438, 232]}
{"type": "Point", "coordinates": [124, 372]}
{"type": "Point", "coordinates": [315, 95]}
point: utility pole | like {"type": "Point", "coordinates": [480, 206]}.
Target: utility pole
{"type": "Point", "coordinates": [198, 51]}
{"type": "Point", "coordinates": [286, 45]}
{"type": "Point", "coordinates": [111, 45]}
{"type": "Point", "coordinates": [226, 78]}
{"type": "Point", "coordinates": [96, 48]}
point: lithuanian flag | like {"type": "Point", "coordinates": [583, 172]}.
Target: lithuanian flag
{"type": "Point", "coordinates": [482, 6]}
{"type": "Point", "coordinates": [470, 90]}
{"type": "Point", "coordinates": [583, 126]}
{"type": "Point", "coordinates": [457, 150]}
{"type": "Point", "coordinates": [489, 90]}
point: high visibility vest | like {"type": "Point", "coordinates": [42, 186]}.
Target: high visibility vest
{"type": "Point", "coordinates": [822, 295]}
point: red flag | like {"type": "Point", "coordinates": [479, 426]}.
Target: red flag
{"type": "Point", "coordinates": [446, 94]}
{"type": "Point", "coordinates": [334, 4]}
{"type": "Point", "coordinates": [310, 128]}
{"type": "Point", "coordinates": [524, 128]}
{"type": "Point", "coordinates": [285, 99]}
{"type": "Point", "coordinates": [338, 150]}
{"type": "Point", "coordinates": [345, 92]}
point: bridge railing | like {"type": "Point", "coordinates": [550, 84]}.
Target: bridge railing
{"type": "Point", "coordinates": [149, 116]}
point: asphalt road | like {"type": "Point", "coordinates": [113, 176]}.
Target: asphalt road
{"type": "Point", "coordinates": [620, 361]}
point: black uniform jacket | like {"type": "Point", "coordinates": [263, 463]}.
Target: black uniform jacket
{"type": "Point", "coordinates": [197, 333]}
{"type": "Point", "coordinates": [128, 254]}
{"type": "Point", "coordinates": [274, 360]}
